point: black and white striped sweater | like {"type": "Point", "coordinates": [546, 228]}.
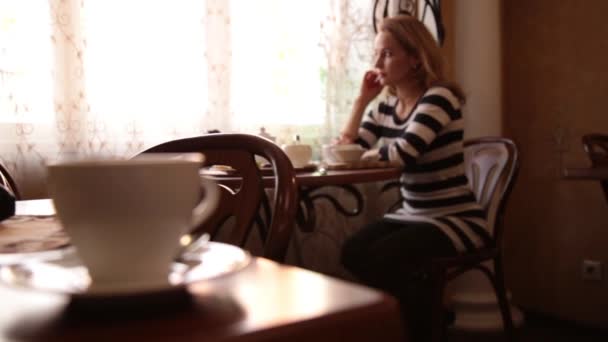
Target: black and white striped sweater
{"type": "Point", "coordinates": [429, 145]}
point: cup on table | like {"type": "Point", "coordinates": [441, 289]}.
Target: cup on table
{"type": "Point", "coordinates": [125, 217]}
{"type": "Point", "coordinates": [299, 154]}
{"type": "Point", "coordinates": [342, 153]}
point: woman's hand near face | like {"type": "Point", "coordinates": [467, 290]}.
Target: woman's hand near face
{"type": "Point", "coordinates": [370, 87]}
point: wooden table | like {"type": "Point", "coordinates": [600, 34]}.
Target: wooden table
{"type": "Point", "coordinates": [315, 178]}
{"type": "Point", "coordinates": [344, 177]}
{"type": "Point", "coordinates": [264, 302]}
{"type": "Point", "coordinates": [312, 183]}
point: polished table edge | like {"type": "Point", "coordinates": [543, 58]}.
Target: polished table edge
{"type": "Point", "coordinates": [247, 311]}
{"type": "Point", "coordinates": [329, 177]}
{"type": "Point", "coordinates": [379, 311]}
{"type": "Point", "coordinates": [586, 173]}
{"type": "Point", "coordinates": [344, 177]}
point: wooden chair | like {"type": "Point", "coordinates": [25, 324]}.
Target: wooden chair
{"type": "Point", "coordinates": [8, 182]}
{"type": "Point", "coordinates": [491, 166]}
{"type": "Point", "coordinates": [243, 204]}
{"type": "Point", "coordinates": [596, 146]}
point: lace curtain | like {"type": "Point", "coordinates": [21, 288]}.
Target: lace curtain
{"type": "Point", "coordinates": [83, 78]}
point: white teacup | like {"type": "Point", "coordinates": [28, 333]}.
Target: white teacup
{"type": "Point", "coordinates": [342, 153]}
{"type": "Point", "coordinates": [126, 217]}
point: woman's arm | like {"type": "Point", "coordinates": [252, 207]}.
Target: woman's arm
{"type": "Point", "coordinates": [370, 88]}
{"type": "Point", "coordinates": [436, 109]}
{"type": "Point", "coordinates": [351, 130]}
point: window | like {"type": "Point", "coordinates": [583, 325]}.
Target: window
{"type": "Point", "coordinates": [145, 61]}
{"type": "Point", "coordinates": [111, 77]}
{"type": "Point", "coordinates": [276, 62]}
{"type": "Point", "coordinates": [26, 62]}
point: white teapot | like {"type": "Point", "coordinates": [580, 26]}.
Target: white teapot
{"type": "Point", "coordinates": [299, 154]}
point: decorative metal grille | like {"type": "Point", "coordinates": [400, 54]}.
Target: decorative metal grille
{"type": "Point", "coordinates": [430, 12]}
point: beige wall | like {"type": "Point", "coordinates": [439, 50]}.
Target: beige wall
{"type": "Point", "coordinates": [555, 90]}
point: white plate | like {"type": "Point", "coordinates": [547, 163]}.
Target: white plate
{"type": "Point", "coordinates": [64, 272]}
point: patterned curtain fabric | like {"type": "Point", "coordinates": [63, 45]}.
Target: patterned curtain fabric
{"type": "Point", "coordinates": [89, 78]}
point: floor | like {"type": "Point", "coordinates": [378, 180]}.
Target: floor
{"type": "Point", "coordinates": [540, 328]}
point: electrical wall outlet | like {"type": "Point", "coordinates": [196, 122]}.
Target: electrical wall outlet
{"type": "Point", "coordinates": [592, 270]}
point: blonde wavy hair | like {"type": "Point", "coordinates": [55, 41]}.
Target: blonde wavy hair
{"type": "Point", "coordinates": [417, 41]}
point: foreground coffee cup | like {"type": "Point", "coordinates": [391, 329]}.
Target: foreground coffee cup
{"type": "Point", "coordinates": [125, 217]}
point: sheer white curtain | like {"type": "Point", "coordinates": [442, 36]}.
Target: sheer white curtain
{"type": "Point", "coordinates": [88, 77]}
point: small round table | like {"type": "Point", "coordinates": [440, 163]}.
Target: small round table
{"type": "Point", "coordinates": [312, 182]}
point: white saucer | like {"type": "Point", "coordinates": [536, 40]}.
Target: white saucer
{"type": "Point", "coordinates": [64, 272]}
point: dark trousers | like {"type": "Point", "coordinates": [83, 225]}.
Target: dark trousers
{"type": "Point", "coordinates": [391, 256]}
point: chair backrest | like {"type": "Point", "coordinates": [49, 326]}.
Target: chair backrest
{"type": "Point", "coordinates": [596, 146]}
{"type": "Point", "coordinates": [491, 166]}
{"type": "Point", "coordinates": [243, 204]}
{"type": "Point", "coordinates": [8, 181]}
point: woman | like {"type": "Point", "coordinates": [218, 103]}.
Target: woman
{"type": "Point", "coordinates": [421, 124]}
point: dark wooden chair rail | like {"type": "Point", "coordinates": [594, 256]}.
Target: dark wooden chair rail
{"type": "Point", "coordinates": [243, 203]}
{"type": "Point", "coordinates": [7, 180]}
{"type": "Point", "coordinates": [596, 146]}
